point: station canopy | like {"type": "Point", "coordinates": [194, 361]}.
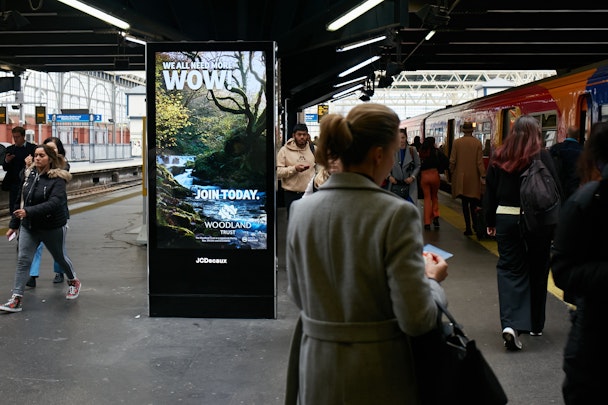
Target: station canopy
{"type": "Point", "coordinates": [50, 36]}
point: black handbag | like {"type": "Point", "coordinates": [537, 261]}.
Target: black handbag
{"type": "Point", "coordinates": [401, 189]}
{"type": "Point", "coordinates": [451, 369]}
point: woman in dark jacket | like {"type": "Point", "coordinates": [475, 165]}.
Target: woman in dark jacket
{"type": "Point", "coordinates": [523, 257]}
{"type": "Point", "coordinates": [56, 144]}
{"type": "Point", "coordinates": [42, 217]}
{"type": "Point", "coordinates": [580, 268]}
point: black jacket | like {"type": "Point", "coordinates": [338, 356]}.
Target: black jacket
{"type": "Point", "coordinates": [502, 188]}
{"type": "Point", "coordinates": [14, 167]}
{"type": "Point", "coordinates": [579, 264]}
{"type": "Point", "coordinates": [44, 200]}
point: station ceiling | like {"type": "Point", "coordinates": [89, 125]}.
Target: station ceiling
{"type": "Point", "coordinates": [48, 36]}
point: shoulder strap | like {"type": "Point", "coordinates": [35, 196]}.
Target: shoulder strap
{"type": "Point", "coordinates": [412, 152]}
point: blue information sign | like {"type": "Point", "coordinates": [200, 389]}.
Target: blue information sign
{"type": "Point", "coordinates": [311, 117]}
{"type": "Point", "coordinates": [74, 117]}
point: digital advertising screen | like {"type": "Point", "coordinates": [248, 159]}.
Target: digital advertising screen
{"type": "Point", "coordinates": [211, 178]}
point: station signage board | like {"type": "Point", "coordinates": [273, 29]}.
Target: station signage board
{"type": "Point", "coordinates": [74, 117]}
{"type": "Point", "coordinates": [211, 179]}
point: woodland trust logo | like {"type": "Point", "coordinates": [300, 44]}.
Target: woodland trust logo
{"type": "Point", "coordinates": [228, 215]}
{"type": "Point", "coordinates": [227, 212]}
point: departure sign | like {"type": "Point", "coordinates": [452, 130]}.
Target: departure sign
{"type": "Point", "coordinates": [74, 117]}
{"type": "Point", "coordinates": [322, 109]}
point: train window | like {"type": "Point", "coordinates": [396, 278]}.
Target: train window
{"type": "Point", "coordinates": [549, 120]}
{"type": "Point", "coordinates": [548, 127]}
{"type": "Point", "coordinates": [549, 138]}
{"type": "Point", "coordinates": [604, 113]}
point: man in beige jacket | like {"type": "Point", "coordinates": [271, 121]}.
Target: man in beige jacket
{"type": "Point", "coordinates": [467, 170]}
{"type": "Point", "coordinates": [295, 165]}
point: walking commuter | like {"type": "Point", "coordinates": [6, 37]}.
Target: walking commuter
{"type": "Point", "coordinates": [334, 165]}
{"type": "Point", "coordinates": [523, 256]}
{"type": "Point", "coordinates": [295, 165]}
{"type": "Point", "coordinates": [42, 217]}
{"type": "Point", "coordinates": [402, 179]}
{"type": "Point", "coordinates": [57, 145]}
{"type": "Point", "coordinates": [579, 265]}
{"type": "Point", "coordinates": [14, 163]}
{"type": "Point", "coordinates": [486, 153]}
{"type": "Point", "coordinates": [356, 271]}
{"type": "Point", "coordinates": [467, 170]}
{"type": "Point", "coordinates": [416, 143]}
{"type": "Point", "coordinates": [565, 155]}
{"type": "Point", "coordinates": [433, 164]}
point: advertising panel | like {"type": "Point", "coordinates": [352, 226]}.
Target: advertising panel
{"type": "Point", "coordinates": [211, 174]}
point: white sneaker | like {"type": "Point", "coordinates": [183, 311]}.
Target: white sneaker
{"type": "Point", "coordinates": [512, 341]}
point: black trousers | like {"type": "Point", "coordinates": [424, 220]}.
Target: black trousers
{"type": "Point", "coordinates": [469, 204]}
{"type": "Point", "coordinates": [289, 197]}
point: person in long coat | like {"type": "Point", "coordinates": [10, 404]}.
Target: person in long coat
{"type": "Point", "coordinates": [406, 169]}
{"type": "Point", "coordinates": [356, 271]}
{"type": "Point", "coordinates": [467, 169]}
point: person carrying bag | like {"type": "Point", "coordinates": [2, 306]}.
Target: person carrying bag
{"type": "Point", "coordinates": [446, 354]}
{"type": "Point", "coordinates": [403, 177]}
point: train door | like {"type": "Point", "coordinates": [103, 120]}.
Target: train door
{"type": "Point", "coordinates": [584, 119]}
{"type": "Point", "coordinates": [508, 117]}
{"type": "Point", "coordinates": [449, 138]}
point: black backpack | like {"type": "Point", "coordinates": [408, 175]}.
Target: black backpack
{"type": "Point", "coordinates": [540, 197]}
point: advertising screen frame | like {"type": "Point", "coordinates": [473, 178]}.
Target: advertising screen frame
{"type": "Point", "coordinates": [211, 179]}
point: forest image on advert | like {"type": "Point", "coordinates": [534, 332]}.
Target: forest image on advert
{"type": "Point", "coordinates": [211, 129]}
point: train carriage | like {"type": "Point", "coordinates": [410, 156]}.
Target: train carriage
{"type": "Point", "coordinates": [579, 99]}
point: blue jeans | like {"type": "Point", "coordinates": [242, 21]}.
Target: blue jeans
{"type": "Point", "coordinates": [35, 268]}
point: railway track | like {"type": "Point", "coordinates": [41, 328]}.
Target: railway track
{"type": "Point", "coordinates": [87, 192]}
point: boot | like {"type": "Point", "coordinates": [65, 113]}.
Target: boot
{"type": "Point", "coordinates": [31, 282]}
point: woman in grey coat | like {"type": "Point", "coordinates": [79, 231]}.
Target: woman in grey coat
{"type": "Point", "coordinates": [356, 270]}
{"type": "Point", "coordinates": [405, 170]}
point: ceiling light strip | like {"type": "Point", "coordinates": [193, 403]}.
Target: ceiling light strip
{"type": "Point", "coordinates": [358, 79]}
{"type": "Point", "coordinates": [359, 44]}
{"type": "Point", "coordinates": [352, 14]}
{"type": "Point", "coordinates": [96, 13]}
{"type": "Point", "coordinates": [359, 66]}
{"type": "Point", "coordinates": [131, 38]}
{"type": "Point", "coordinates": [349, 90]}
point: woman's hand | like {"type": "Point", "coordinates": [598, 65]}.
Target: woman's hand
{"type": "Point", "coordinates": [491, 231]}
{"type": "Point", "coordinates": [435, 266]}
{"type": "Point", "coordinates": [20, 213]}
{"type": "Point", "coordinates": [11, 234]}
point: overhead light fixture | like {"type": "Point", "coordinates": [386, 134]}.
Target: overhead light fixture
{"type": "Point", "coordinates": [131, 38]}
{"type": "Point", "coordinates": [359, 66]}
{"type": "Point", "coordinates": [358, 79]}
{"type": "Point", "coordinates": [429, 35]}
{"type": "Point", "coordinates": [349, 90]}
{"type": "Point", "coordinates": [359, 44]}
{"type": "Point", "coordinates": [352, 14]}
{"type": "Point", "coordinates": [341, 97]}
{"type": "Point", "coordinates": [96, 13]}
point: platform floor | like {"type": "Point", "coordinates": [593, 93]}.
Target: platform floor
{"type": "Point", "coordinates": [103, 348]}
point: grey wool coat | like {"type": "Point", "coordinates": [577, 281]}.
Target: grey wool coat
{"type": "Point", "coordinates": [355, 269]}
